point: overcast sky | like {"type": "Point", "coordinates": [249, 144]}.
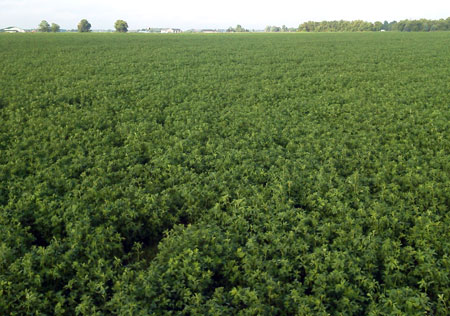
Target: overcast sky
{"type": "Point", "coordinates": [186, 14]}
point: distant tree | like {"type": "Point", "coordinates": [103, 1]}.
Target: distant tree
{"type": "Point", "coordinates": [84, 26]}
{"type": "Point", "coordinates": [392, 26]}
{"type": "Point", "coordinates": [401, 26]}
{"type": "Point", "coordinates": [414, 26]}
{"type": "Point", "coordinates": [284, 28]}
{"type": "Point", "coordinates": [442, 25]}
{"type": "Point", "coordinates": [55, 27]}
{"type": "Point", "coordinates": [377, 26]}
{"type": "Point", "coordinates": [270, 28]}
{"type": "Point", "coordinates": [121, 26]}
{"type": "Point", "coordinates": [275, 29]}
{"type": "Point", "coordinates": [239, 28]}
{"type": "Point", "coordinates": [231, 30]}
{"type": "Point", "coordinates": [44, 26]}
{"type": "Point", "coordinates": [425, 25]}
{"type": "Point", "coordinates": [306, 27]}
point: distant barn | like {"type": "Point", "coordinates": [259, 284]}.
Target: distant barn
{"type": "Point", "coordinates": [12, 29]}
{"type": "Point", "coordinates": [170, 30]}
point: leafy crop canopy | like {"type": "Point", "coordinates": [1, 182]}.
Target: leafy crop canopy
{"type": "Point", "coordinates": [256, 174]}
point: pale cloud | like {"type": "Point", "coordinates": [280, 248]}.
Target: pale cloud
{"type": "Point", "coordinates": [202, 13]}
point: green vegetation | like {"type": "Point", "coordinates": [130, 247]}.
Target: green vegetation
{"type": "Point", "coordinates": [422, 25]}
{"type": "Point", "coordinates": [55, 27]}
{"type": "Point", "coordinates": [121, 26]}
{"type": "Point", "coordinates": [44, 27]}
{"type": "Point", "coordinates": [238, 29]}
{"type": "Point", "coordinates": [245, 174]}
{"type": "Point", "coordinates": [84, 26]}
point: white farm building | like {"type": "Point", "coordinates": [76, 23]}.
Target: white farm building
{"type": "Point", "coordinates": [170, 30]}
{"type": "Point", "coordinates": [12, 29]}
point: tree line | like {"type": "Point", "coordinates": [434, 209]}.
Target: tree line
{"type": "Point", "coordinates": [83, 26]}
{"type": "Point", "coordinates": [284, 28]}
{"type": "Point", "coordinates": [422, 25]}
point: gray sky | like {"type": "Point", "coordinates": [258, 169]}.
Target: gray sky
{"type": "Point", "coordinates": [211, 14]}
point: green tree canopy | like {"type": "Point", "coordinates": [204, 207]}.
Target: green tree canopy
{"type": "Point", "coordinates": [44, 26]}
{"type": "Point", "coordinates": [121, 26]}
{"type": "Point", "coordinates": [239, 28]}
{"type": "Point", "coordinates": [84, 26]}
{"type": "Point", "coordinates": [55, 27]}
{"type": "Point", "coordinates": [377, 26]}
{"type": "Point", "coordinates": [275, 29]}
{"type": "Point", "coordinates": [422, 25]}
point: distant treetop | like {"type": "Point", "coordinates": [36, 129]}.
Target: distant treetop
{"type": "Point", "coordinates": [422, 25]}
{"type": "Point", "coordinates": [44, 26]}
{"type": "Point", "coordinates": [84, 26]}
{"type": "Point", "coordinates": [55, 27]}
{"type": "Point", "coordinates": [121, 26]}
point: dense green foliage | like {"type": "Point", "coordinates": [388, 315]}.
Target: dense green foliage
{"type": "Point", "coordinates": [84, 26]}
{"type": "Point", "coordinates": [246, 174]}
{"type": "Point", "coordinates": [44, 27]}
{"type": "Point", "coordinates": [121, 26]}
{"type": "Point", "coordinates": [422, 25]}
{"type": "Point", "coordinates": [55, 27]}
